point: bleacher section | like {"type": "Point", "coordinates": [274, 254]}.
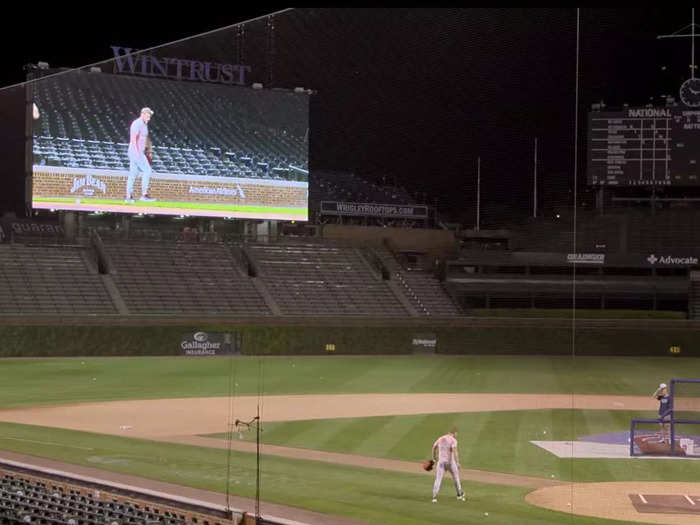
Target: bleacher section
{"type": "Point", "coordinates": [348, 187]}
{"type": "Point", "coordinates": [668, 230]}
{"type": "Point", "coordinates": [619, 230]}
{"type": "Point", "coordinates": [182, 277]}
{"type": "Point", "coordinates": [50, 279]}
{"type": "Point", "coordinates": [29, 498]}
{"type": "Point", "coordinates": [556, 235]}
{"type": "Point", "coordinates": [196, 130]}
{"type": "Point", "coordinates": [422, 288]}
{"type": "Point", "coordinates": [307, 279]}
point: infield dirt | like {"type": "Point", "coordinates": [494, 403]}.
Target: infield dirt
{"type": "Point", "coordinates": [185, 420]}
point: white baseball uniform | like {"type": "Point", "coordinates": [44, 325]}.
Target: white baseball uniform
{"type": "Point", "coordinates": [138, 132]}
{"type": "Point", "coordinates": [446, 461]}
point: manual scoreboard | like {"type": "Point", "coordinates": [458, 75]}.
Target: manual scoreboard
{"type": "Point", "coordinates": [644, 147]}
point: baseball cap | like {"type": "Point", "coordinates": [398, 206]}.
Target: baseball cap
{"type": "Point", "coordinates": [662, 385]}
{"type": "Point", "coordinates": [147, 109]}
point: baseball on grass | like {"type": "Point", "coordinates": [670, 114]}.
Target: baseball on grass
{"type": "Point", "coordinates": [486, 513]}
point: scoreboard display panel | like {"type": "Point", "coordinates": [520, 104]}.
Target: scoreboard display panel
{"type": "Point", "coordinates": [644, 147]}
{"type": "Point", "coordinates": [125, 144]}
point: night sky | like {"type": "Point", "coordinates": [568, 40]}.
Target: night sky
{"type": "Point", "coordinates": [411, 96]}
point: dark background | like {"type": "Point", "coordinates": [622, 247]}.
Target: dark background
{"type": "Point", "coordinates": [403, 96]}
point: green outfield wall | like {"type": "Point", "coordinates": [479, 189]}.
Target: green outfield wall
{"type": "Point", "coordinates": [119, 336]}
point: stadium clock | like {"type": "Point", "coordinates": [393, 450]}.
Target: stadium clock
{"type": "Point", "coordinates": [690, 92]}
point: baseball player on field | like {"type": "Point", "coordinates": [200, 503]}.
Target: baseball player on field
{"type": "Point", "coordinates": [665, 410]}
{"type": "Point", "coordinates": [138, 135]}
{"type": "Point", "coordinates": [446, 457]}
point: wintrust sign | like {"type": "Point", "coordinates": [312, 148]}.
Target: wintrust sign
{"type": "Point", "coordinates": [131, 61]}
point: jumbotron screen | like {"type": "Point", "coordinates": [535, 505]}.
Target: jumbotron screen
{"type": "Point", "coordinates": [644, 147]}
{"type": "Point", "coordinates": [104, 142]}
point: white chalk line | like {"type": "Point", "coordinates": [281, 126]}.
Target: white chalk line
{"type": "Point", "coordinates": [689, 499]}
{"type": "Point", "coordinates": [642, 498]}
{"type": "Point", "coordinates": [47, 443]}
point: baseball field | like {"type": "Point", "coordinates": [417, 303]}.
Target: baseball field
{"type": "Point", "coordinates": [345, 436]}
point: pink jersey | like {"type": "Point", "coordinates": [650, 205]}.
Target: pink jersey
{"type": "Point", "coordinates": [137, 136]}
{"type": "Point", "coordinates": [445, 444]}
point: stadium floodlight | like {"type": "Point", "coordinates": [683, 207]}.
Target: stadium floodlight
{"type": "Point", "coordinates": [42, 65]}
{"type": "Point", "coordinates": [257, 85]}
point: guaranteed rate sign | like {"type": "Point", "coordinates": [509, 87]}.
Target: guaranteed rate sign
{"type": "Point", "coordinates": [644, 147]}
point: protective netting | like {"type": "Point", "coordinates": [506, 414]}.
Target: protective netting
{"type": "Point", "coordinates": [273, 207]}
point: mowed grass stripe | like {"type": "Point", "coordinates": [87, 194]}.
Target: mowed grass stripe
{"type": "Point", "coordinates": [60, 381]}
{"type": "Point", "coordinates": [374, 495]}
{"type": "Point", "coordinates": [407, 438]}
{"type": "Point", "coordinates": [491, 441]}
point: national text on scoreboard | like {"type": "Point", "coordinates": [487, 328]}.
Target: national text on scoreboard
{"type": "Point", "coordinates": [644, 147]}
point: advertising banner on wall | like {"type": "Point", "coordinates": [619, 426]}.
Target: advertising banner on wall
{"type": "Point", "coordinates": [424, 343]}
{"type": "Point", "coordinates": [210, 344]}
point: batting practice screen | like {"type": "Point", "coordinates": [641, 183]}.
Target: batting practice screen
{"type": "Point", "coordinates": [644, 147]}
{"type": "Point", "coordinates": [107, 142]}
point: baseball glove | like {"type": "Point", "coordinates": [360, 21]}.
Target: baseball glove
{"type": "Point", "coordinates": [428, 465]}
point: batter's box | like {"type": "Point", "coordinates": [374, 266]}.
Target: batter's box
{"type": "Point", "coordinates": [666, 503]}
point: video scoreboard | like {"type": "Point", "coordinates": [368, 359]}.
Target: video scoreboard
{"type": "Point", "coordinates": [644, 147]}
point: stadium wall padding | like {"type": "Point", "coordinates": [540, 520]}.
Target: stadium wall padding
{"type": "Point", "coordinates": [544, 337]}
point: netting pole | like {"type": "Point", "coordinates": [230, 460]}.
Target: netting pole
{"type": "Point", "coordinates": [672, 423]}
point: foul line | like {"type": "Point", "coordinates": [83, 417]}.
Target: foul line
{"type": "Point", "coordinates": [48, 443]}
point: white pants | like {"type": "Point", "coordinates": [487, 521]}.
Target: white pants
{"type": "Point", "coordinates": [136, 163]}
{"type": "Point", "coordinates": [451, 466]}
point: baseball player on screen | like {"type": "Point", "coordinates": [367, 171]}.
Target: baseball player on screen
{"type": "Point", "coordinates": [446, 457]}
{"type": "Point", "coordinates": [138, 136]}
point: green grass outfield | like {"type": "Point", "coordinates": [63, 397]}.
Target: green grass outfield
{"type": "Point", "coordinates": [492, 441]}
{"type": "Point", "coordinates": [489, 441]}
{"type": "Point", "coordinates": [376, 496]}
{"type": "Point", "coordinates": [183, 205]}
{"type": "Point", "coordinates": [61, 381]}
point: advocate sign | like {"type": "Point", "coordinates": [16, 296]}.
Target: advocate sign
{"type": "Point", "coordinates": [131, 61]}
{"type": "Point", "coordinates": [672, 260]}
